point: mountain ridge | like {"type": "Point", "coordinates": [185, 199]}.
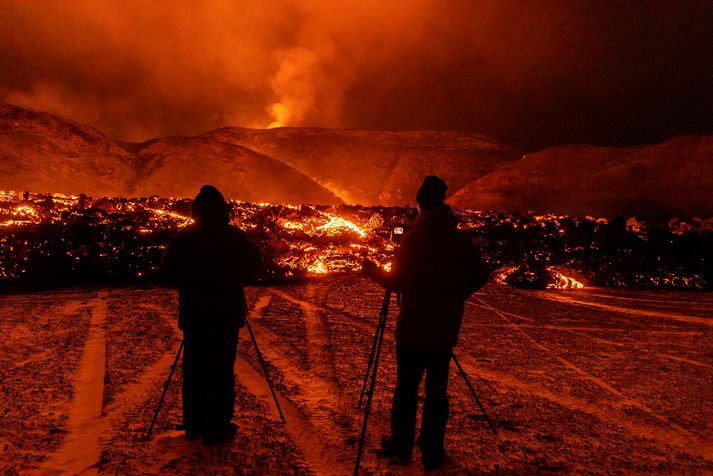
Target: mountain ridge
{"type": "Point", "coordinates": [44, 152]}
{"type": "Point", "coordinates": [307, 165]}
{"type": "Point", "coordinates": [674, 177]}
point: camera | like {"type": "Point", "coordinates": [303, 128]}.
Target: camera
{"type": "Point", "coordinates": [397, 232]}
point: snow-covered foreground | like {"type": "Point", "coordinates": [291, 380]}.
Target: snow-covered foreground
{"type": "Point", "coordinates": [593, 380]}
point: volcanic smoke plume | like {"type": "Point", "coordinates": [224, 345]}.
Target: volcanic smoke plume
{"type": "Point", "coordinates": [531, 74]}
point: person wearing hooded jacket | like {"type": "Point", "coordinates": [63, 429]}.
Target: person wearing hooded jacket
{"type": "Point", "coordinates": [209, 261]}
{"type": "Point", "coordinates": [436, 269]}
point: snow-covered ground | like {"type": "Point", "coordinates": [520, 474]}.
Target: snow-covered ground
{"type": "Point", "coordinates": [593, 380]}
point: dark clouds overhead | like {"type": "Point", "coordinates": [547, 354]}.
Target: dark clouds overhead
{"type": "Point", "coordinates": [532, 73]}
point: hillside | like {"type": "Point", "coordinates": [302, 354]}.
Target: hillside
{"type": "Point", "coordinates": [45, 153]}
{"type": "Point", "coordinates": [176, 166]}
{"type": "Point", "coordinates": [376, 167]}
{"type": "Point", "coordinates": [673, 178]}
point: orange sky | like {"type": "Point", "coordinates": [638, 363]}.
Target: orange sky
{"type": "Point", "coordinates": [532, 73]}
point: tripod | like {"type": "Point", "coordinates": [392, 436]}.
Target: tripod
{"type": "Point", "coordinates": [264, 369]}
{"type": "Point", "coordinates": [374, 361]}
{"type": "Point", "coordinates": [173, 369]}
{"type": "Point", "coordinates": [165, 389]}
{"type": "Point", "coordinates": [472, 392]}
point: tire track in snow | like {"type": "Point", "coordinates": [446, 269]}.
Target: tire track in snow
{"type": "Point", "coordinates": [706, 305]}
{"type": "Point", "coordinates": [317, 340]}
{"type": "Point", "coordinates": [578, 328]}
{"type": "Point", "coordinates": [90, 429]}
{"type": "Point", "coordinates": [677, 435]}
{"type": "Point", "coordinates": [626, 310]}
{"type": "Point", "coordinates": [318, 355]}
{"type": "Point", "coordinates": [344, 317]}
{"type": "Point", "coordinates": [81, 447]}
{"type": "Point", "coordinates": [583, 333]}
{"type": "Point", "coordinates": [612, 415]}
{"type": "Point", "coordinates": [312, 414]}
{"type": "Point", "coordinates": [320, 458]}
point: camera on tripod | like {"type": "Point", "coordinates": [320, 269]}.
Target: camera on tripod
{"type": "Point", "coordinates": [397, 232]}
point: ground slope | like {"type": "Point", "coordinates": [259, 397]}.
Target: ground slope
{"type": "Point", "coordinates": [674, 178]}
{"type": "Point", "coordinates": [176, 167]}
{"type": "Point", "coordinates": [42, 152]}
{"type": "Point", "coordinates": [376, 167]}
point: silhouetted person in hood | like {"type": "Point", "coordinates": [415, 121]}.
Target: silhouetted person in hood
{"type": "Point", "coordinates": [436, 268]}
{"type": "Point", "coordinates": [209, 261]}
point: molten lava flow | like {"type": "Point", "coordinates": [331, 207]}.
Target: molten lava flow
{"type": "Point", "coordinates": [20, 215]}
{"type": "Point", "coordinates": [502, 274]}
{"type": "Point", "coordinates": [291, 225]}
{"type": "Point", "coordinates": [336, 224]}
{"type": "Point", "coordinates": [85, 238]}
{"type": "Point", "coordinates": [182, 221]}
{"type": "Point", "coordinates": [563, 282]}
{"type": "Point", "coordinates": [541, 278]}
{"type": "Point", "coordinates": [318, 268]}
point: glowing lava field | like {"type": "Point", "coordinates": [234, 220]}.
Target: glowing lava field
{"type": "Point", "coordinates": [49, 240]}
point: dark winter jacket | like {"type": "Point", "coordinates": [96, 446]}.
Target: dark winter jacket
{"type": "Point", "coordinates": [209, 265]}
{"type": "Point", "coordinates": [436, 269]}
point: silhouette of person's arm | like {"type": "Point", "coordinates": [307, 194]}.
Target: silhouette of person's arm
{"type": "Point", "coordinates": [170, 262]}
{"type": "Point", "coordinates": [252, 260]}
{"type": "Point", "coordinates": [403, 270]}
{"type": "Point", "coordinates": [476, 270]}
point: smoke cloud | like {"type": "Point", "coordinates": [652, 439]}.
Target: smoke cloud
{"type": "Point", "coordinates": [532, 73]}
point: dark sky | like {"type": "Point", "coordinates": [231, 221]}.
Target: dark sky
{"type": "Point", "coordinates": [532, 73]}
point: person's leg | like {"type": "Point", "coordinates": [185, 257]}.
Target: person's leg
{"type": "Point", "coordinates": [225, 384]}
{"type": "Point", "coordinates": [191, 389]}
{"type": "Point", "coordinates": [409, 370]}
{"type": "Point", "coordinates": [435, 411]}
{"type": "Point", "coordinates": [221, 388]}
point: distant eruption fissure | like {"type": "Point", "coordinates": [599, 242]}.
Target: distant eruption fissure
{"type": "Point", "coordinates": [294, 85]}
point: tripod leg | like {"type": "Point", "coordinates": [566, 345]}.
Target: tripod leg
{"type": "Point", "coordinates": [165, 389]}
{"type": "Point", "coordinates": [264, 369]}
{"type": "Point", "coordinates": [379, 329]}
{"type": "Point", "coordinates": [472, 392]}
{"type": "Point", "coordinates": [372, 384]}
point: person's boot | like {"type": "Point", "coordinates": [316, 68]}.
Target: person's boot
{"type": "Point", "coordinates": [433, 460]}
{"type": "Point", "coordinates": [191, 433]}
{"type": "Point", "coordinates": [391, 450]}
{"type": "Point", "coordinates": [215, 437]}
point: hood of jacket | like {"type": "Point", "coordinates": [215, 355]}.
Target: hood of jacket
{"type": "Point", "coordinates": [440, 218]}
